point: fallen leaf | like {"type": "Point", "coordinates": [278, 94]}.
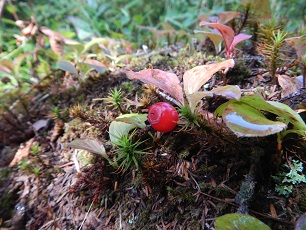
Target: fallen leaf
{"type": "Point", "coordinates": [40, 124]}
{"type": "Point", "coordinates": [289, 85]}
{"type": "Point", "coordinates": [22, 152]}
{"type": "Point", "coordinates": [299, 44]}
{"type": "Point", "coordinates": [273, 211]}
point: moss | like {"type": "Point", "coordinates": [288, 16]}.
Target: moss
{"type": "Point", "coordinates": [238, 73]}
{"type": "Point", "coordinates": [302, 202]}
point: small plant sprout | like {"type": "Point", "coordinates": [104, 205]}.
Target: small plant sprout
{"type": "Point", "coordinates": [228, 36]}
{"type": "Point", "coordinates": [271, 48]}
{"type": "Point", "coordinates": [189, 118]}
{"type": "Point", "coordinates": [35, 149]}
{"type": "Point", "coordinates": [128, 152]}
{"type": "Point", "coordinates": [115, 99]}
{"type": "Point", "coordinates": [163, 117]}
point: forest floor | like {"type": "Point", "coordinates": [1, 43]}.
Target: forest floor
{"type": "Point", "coordinates": [188, 177]}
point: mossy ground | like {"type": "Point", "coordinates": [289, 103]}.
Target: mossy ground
{"type": "Point", "coordinates": [189, 176]}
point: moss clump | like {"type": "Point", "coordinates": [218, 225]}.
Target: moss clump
{"type": "Point", "coordinates": [238, 73]}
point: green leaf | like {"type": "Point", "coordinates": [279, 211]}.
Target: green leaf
{"type": "Point", "coordinates": [246, 121]}
{"type": "Point", "coordinates": [67, 66]}
{"type": "Point", "coordinates": [82, 28]}
{"type": "Point", "coordinates": [134, 119]}
{"type": "Point", "coordinates": [240, 222]}
{"type": "Point", "coordinates": [277, 108]}
{"type": "Point", "coordinates": [93, 42]}
{"type": "Point", "coordinates": [117, 129]}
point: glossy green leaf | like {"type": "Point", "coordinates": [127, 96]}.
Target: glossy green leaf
{"type": "Point", "coordinates": [117, 129]}
{"type": "Point", "coordinates": [246, 121]}
{"type": "Point", "coordinates": [239, 222]}
{"type": "Point", "coordinates": [280, 109]}
{"type": "Point", "coordinates": [134, 119]}
{"type": "Point", "coordinates": [66, 66]}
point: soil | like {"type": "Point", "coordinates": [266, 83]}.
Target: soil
{"type": "Point", "coordinates": [186, 179]}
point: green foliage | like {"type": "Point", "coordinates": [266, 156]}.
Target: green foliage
{"type": "Point", "coordinates": [115, 99]}
{"type": "Point", "coordinates": [189, 118]}
{"type": "Point", "coordinates": [271, 45]}
{"type": "Point", "coordinates": [291, 11]}
{"type": "Point", "coordinates": [286, 180]}
{"type": "Point", "coordinates": [35, 149]}
{"type": "Point", "coordinates": [244, 118]}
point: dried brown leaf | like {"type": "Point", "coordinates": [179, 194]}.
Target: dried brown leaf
{"type": "Point", "coordinates": [273, 211]}
{"type": "Point", "coordinates": [289, 85]}
{"type": "Point", "coordinates": [27, 31]}
{"type": "Point", "coordinates": [57, 130]}
{"type": "Point", "coordinates": [299, 44]}
{"type": "Point", "coordinates": [22, 152]}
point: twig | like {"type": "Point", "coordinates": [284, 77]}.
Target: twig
{"type": "Point", "coordinates": [86, 216]}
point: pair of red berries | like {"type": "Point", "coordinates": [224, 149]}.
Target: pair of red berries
{"type": "Point", "coordinates": [163, 117]}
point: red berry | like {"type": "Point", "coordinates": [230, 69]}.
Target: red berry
{"type": "Point", "coordinates": [163, 117]}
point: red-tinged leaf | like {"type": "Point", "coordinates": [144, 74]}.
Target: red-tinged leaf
{"type": "Point", "coordinates": [299, 44]}
{"type": "Point", "coordinates": [166, 81]}
{"type": "Point", "coordinates": [199, 75]}
{"type": "Point", "coordinates": [226, 32]}
{"type": "Point", "coordinates": [225, 17]}
{"type": "Point", "coordinates": [238, 38]}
